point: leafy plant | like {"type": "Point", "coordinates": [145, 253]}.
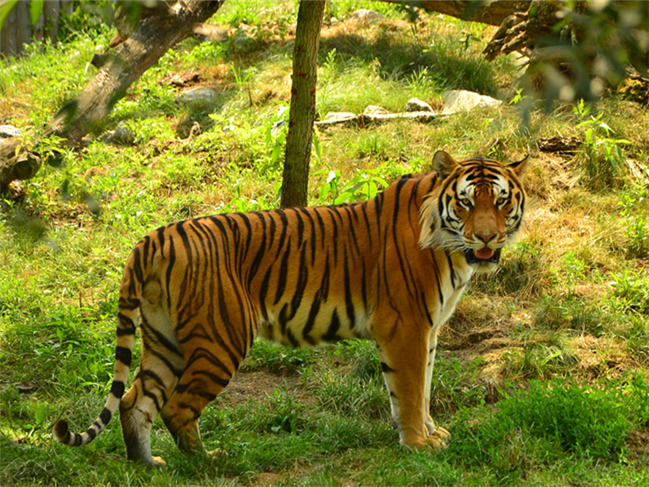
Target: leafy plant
{"type": "Point", "coordinates": [604, 163]}
{"type": "Point", "coordinates": [264, 355]}
{"type": "Point", "coordinates": [632, 290]}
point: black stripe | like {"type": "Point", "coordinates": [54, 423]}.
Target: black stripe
{"type": "Point", "coordinates": [282, 237]}
{"type": "Point", "coordinates": [105, 416]}
{"type": "Point", "coordinates": [117, 389]}
{"type": "Point", "coordinates": [323, 228]}
{"type": "Point", "coordinates": [124, 355]}
{"type": "Point", "coordinates": [300, 287]}
{"type": "Point", "coordinates": [283, 271]}
{"type": "Point", "coordinates": [349, 304]}
{"type": "Point", "coordinates": [332, 331]}
{"type": "Point", "coordinates": [385, 368]}
{"type": "Point", "coordinates": [254, 267]}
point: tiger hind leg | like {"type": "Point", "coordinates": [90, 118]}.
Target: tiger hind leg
{"type": "Point", "coordinates": [183, 410]}
{"type": "Point", "coordinates": [137, 410]}
{"type": "Point", "coordinates": [162, 365]}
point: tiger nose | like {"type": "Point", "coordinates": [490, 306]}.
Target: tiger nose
{"type": "Point", "coordinates": [485, 238]}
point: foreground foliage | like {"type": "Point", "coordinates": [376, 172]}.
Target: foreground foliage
{"type": "Point", "coordinates": [542, 373]}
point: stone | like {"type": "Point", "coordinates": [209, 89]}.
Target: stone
{"type": "Point", "coordinates": [375, 110]}
{"type": "Point", "coordinates": [462, 100]}
{"type": "Point", "coordinates": [122, 135]}
{"type": "Point", "coordinates": [8, 131]}
{"type": "Point", "coordinates": [417, 105]}
{"type": "Point", "coordinates": [365, 17]}
{"type": "Point", "coordinates": [203, 93]}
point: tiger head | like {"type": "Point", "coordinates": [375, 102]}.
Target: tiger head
{"type": "Point", "coordinates": [476, 209]}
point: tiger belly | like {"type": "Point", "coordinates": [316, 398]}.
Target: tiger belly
{"type": "Point", "coordinates": [314, 324]}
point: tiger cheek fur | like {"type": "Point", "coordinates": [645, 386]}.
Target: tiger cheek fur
{"type": "Point", "coordinates": [389, 269]}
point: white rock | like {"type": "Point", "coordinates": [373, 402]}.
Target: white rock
{"type": "Point", "coordinates": [375, 110]}
{"type": "Point", "coordinates": [8, 131]}
{"type": "Point", "coordinates": [461, 100]}
{"type": "Point", "coordinates": [364, 16]}
{"type": "Point", "coordinates": [200, 93]}
{"type": "Point", "coordinates": [417, 105]}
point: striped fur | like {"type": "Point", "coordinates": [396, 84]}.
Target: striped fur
{"type": "Point", "coordinates": [389, 269]}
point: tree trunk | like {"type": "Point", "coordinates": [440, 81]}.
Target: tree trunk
{"type": "Point", "coordinates": [302, 113]}
{"type": "Point", "coordinates": [153, 36]}
{"type": "Point", "coordinates": [118, 69]}
{"type": "Point", "coordinates": [487, 12]}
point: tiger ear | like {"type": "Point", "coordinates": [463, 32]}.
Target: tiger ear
{"type": "Point", "coordinates": [444, 164]}
{"type": "Point", "coordinates": [519, 167]}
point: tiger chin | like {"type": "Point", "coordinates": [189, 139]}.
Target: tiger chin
{"type": "Point", "coordinates": [390, 269]}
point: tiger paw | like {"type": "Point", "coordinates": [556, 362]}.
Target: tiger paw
{"type": "Point", "coordinates": [439, 439]}
{"type": "Point", "coordinates": [157, 462]}
{"type": "Point", "coordinates": [216, 453]}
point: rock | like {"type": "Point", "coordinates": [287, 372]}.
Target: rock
{"type": "Point", "coordinates": [416, 105]}
{"type": "Point", "coordinates": [634, 88]}
{"type": "Point", "coordinates": [365, 17]}
{"type": "Point", "coordinates": [181, 80]}
{"type": "Point", "coordinates": [210, 32]}
{"type": "Point", "coordinates": [461, 100]}
{"type": "Point", "coordinates": [8, 131]}
{"type": "Point", "coordinates": [559, 144]}
{"type": "Point", "coordinates": [375, 110]}
{"type": "Point", "coordinates": [122, 135]}
{"type": "Point", "coordinates": [203, 93]}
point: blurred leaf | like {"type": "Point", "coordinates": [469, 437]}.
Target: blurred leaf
{"type": "Point", "coordinates": [35, 10]}
{"type": "Point", "coordinates": [6, 6]}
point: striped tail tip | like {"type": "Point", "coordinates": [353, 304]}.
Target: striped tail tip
{"type": "Point", "coordinates": [63, 435]}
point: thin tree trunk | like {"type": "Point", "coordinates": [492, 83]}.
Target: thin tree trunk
{"type": "Point", "coordinates": [302, 113]}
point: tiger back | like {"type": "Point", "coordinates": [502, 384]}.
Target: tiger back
{"type": "Point", "coordinates": [390, 269]}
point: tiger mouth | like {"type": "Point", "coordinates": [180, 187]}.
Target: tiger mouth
{"type": "Point", "coordinates": [471, 258]}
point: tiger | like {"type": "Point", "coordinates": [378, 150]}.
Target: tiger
{"type": "Point", "coordinates": [389, 269]}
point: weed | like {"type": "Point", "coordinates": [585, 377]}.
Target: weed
{"type": "Point", "coordinates": [286, 411]}
{"type": "Point", "coordinates": [540, 361]}
{"type": "Point", "coordinates": [603, 165]}
{"type": "Point", "coordinates": [456, 387]}
{"type": "Point", "coordinates": [520, 271]}
{"type": "Point", "coordinates": [264, 355]}
{"type": "Point", "coordinates": [631, 288]}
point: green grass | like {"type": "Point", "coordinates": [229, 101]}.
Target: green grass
{"type": "Point", "coordinates": [541, 376]}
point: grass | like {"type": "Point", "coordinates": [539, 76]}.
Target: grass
{"type": "Point", "coordinates": [541, 375]}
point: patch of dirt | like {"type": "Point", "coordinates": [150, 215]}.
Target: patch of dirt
{"type": "Point", "coordinates": [256, 385]}
{"type": "Point", "coordinates": [639, 444]}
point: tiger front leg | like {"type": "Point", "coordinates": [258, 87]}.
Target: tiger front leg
{"type": "Point", "coordinates": [406, 361]}
{"type": "Point", "coordinates": [437, 436]}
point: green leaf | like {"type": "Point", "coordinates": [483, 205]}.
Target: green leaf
{"type": "Point", "coordinates": [40, 414]}
{"type": "Point", "coordinates": [35, 10]}
{"type": "Point", "coordinates": [6, 6]}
